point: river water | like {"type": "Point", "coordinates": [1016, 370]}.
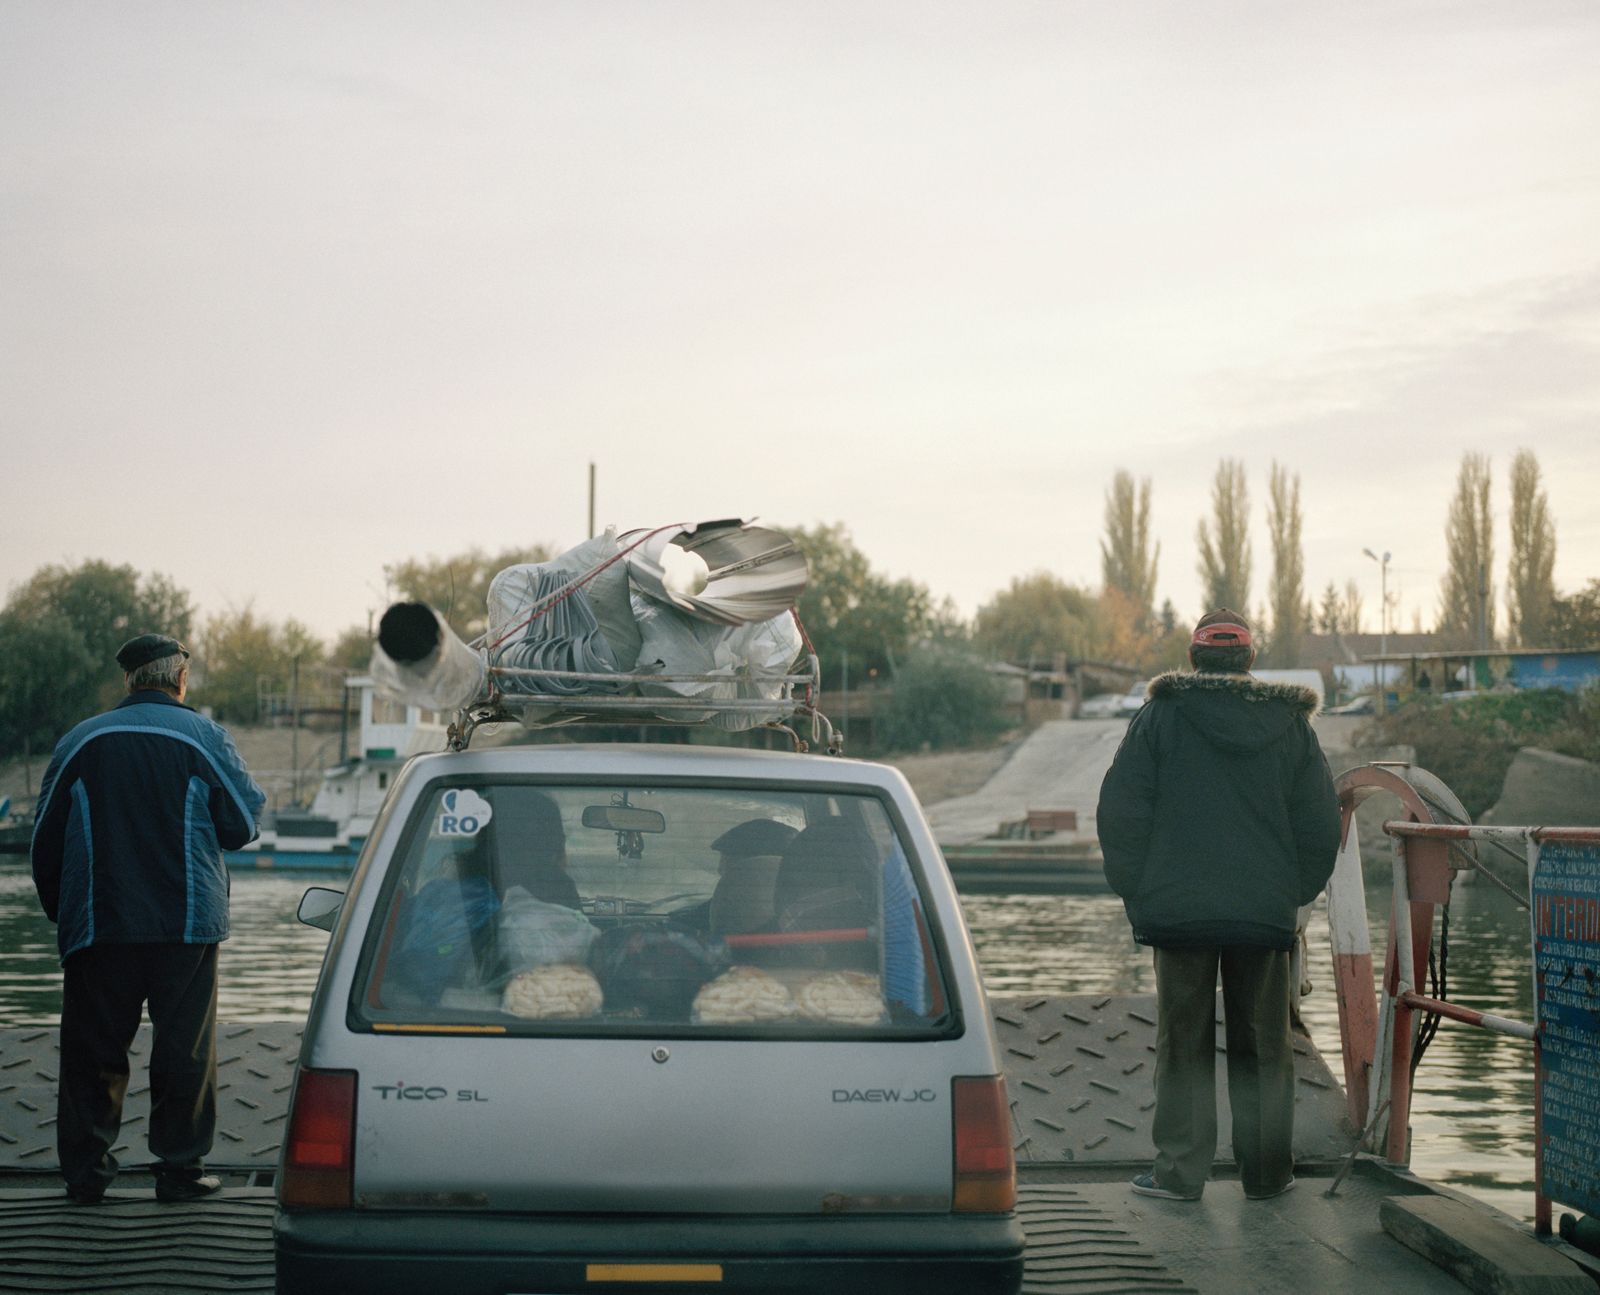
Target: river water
{"type": "Point", "coordinates": [1472, 1122]}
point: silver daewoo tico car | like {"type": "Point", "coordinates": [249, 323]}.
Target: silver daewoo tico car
{"type": "Point", "coordinates": [647, 1017]}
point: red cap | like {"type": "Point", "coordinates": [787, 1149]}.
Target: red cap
{"type": "Point", "coordinates": [1222, 634]}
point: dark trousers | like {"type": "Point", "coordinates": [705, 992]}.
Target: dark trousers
{"type": "Point", "coordinates": [1255, 1004]}
{"type": "Point", "coordinates": [104, 992]}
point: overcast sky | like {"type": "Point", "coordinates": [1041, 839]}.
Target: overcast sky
{"type": "Point", "coordinates": [292, 291]}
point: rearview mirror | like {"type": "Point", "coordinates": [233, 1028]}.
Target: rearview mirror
{"type": "Point", "coordinates": [623, 818]}
{"type": "Point", "coordinates": [319, 907]}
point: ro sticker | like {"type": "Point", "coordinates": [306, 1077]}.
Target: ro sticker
{"type": "Point", "coordinates": [463, 813]}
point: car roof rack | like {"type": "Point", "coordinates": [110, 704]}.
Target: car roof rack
{"type": "Point", "coordinates": [515, 695]}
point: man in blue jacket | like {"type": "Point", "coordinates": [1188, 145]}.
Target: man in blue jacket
{"type": "Point", "coordinates": [1218, 819]}
{"type": "Point", "coordinates": [133, 815]}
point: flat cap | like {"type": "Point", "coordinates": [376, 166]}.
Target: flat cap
{"type": "Point", "coordinates": [147, 648]}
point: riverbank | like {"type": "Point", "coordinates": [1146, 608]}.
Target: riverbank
{"type": "Point", "coordinates": [273, 753]}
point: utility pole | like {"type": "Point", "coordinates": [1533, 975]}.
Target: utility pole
{"type": "Point", "coordinates": [844, 695]}
{"type": "Point", "coordinates": [294, 718]}
{"type": "Point", "coordinates": [1383, 624]}
{"type": "Point", "coordinates": [591, 500]}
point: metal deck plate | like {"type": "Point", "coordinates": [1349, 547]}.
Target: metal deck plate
{"type": "Point", "coordinates": [131, 1245]}
{"type": "Point", "coordinates": [1080, 1070]}
{"type": "Point", "coordinates": [1074, 1245]}
{"type": "Point", "coordinates": [1081, 1075]}
{"type": "Point", "coordinates": [255, 1070]}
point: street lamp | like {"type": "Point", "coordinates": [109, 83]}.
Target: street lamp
{"type": "Point", "coordinates": [1383, 617]}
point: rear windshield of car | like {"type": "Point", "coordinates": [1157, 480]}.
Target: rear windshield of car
{"type": "Point", "coordinates": [533, 908]}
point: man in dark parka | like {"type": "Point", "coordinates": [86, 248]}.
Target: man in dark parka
{"type": "Point", "coordinates": [1218, 820]}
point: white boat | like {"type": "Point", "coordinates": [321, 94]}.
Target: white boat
{"type": "Point", "coordinates": [329, 835]}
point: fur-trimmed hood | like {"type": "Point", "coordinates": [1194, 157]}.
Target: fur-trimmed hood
{"type": "Point", "coordinates": [1176, 682]}
{"type": "Point", "coordinates": [1235, 711]}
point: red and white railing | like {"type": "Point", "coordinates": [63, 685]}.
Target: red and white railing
{"type": "Point", "coordinates": [1378, 1020]}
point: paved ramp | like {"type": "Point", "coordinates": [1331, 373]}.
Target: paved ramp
{"type": "Point", "coordinates": [1059, 767]}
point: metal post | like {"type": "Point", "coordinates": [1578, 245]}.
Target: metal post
{"type": "Point", "coordinates": [844, 692]}
{"type": "Point", "coordinates": [1541, 1202]}
{"type": "Point", "coordinates": [1383, 624]}
{"type": "Point", "coordinates": [1402, 973]}
{"type": "Point", "coordinates": [1383, 629]}
{"type": "Point", "coordinates": [1351, 938]}
{"type": "Point", "coordinates": [1383, 611]}
{"type": "Point", "coordinates": [591, 500]}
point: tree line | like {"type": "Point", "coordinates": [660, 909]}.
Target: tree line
{"type": "Point", "coordinates": [60, 629]}
{"type": "Point", "coordinates": [1536, 614]}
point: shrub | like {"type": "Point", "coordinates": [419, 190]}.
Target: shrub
{"type": "Point", "coordinates": [1582, 736]}
{"type": "Point", "coordinates": [942, 698]}
{"type": "Point", "coordinates": [1470, 744]}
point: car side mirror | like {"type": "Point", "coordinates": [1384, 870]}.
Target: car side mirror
{"type": "Point", "coordinates": [319, 907]}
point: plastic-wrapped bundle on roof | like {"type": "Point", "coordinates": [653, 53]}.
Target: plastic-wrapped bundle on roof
{"type": "Point", "coordinates": [747, 662]}
{"type": "Point", "coordinates": [678, 613]}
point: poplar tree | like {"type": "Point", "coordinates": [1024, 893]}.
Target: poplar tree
{"type": "Point", "coordinates": [1127, 561]}
{"type": "Point", "coordinates": [1351, 613]}
{"type": "Point", "coordinates": [1530, 580]}
{"type": "Point", "coordinates": [1225, 546]}
{"type": "Point", "coordinates": [1285, 521]}
{"type": "Point", "coordinates": [1330, 613]}
{"type": "Point", "coordinates": [1466, 595]}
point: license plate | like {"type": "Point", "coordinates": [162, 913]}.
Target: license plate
{"type": "Point", "coordinates": [601, 1274]}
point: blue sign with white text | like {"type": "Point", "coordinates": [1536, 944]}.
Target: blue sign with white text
{"type": "Point", "coordinates": [1566, 972]}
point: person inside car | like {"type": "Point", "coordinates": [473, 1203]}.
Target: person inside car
{"type": "Point", "coordinates": [750, 855]}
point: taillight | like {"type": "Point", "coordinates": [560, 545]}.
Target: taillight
{"type": "Point", "coordinates": [986, 1169]}
{"type": "Point", "coordinates": [319, 1153]}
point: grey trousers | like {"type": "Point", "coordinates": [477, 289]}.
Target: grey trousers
{"type": "Point", "coordinates": [1255, 997]}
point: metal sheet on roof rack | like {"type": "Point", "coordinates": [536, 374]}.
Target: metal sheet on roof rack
{"type": "Point", "coordinates": [525, 596]}
{"type": "Point", "coordinates": [562, 635]}
{"type": "Point", "coordinates": [752, 573]}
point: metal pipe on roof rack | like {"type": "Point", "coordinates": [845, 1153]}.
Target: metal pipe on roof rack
{"type": "Point", "coordinates": [421, 660]}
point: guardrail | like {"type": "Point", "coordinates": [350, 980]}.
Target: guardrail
{"type": "Point", "coordinates": [1435, 840]}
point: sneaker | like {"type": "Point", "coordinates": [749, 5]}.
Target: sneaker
{"type": "Point", "coordinates": [1267, 1196]}
{"type": "Point", "coordinates": [86, 1195]}
{"type": "Point", "coordinates": [170, 1187]}
{"type": "Point", "coordinates": [1146, 1185]}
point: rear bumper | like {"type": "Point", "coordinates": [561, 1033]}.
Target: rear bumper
{"type": "Point", "coordinates": [401, 1253]}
